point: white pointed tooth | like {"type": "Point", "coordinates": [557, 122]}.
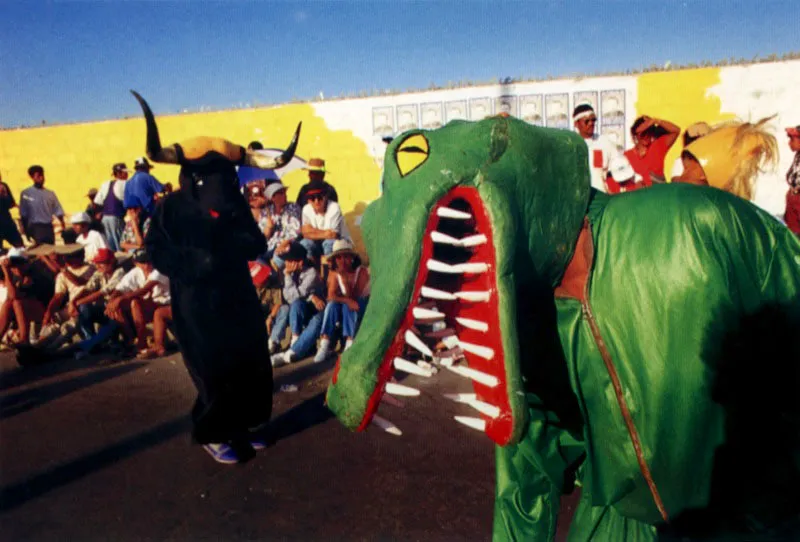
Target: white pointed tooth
{"type": "Point", "coordinates": [475, 423]}
{"type": "Point", "coordinates": [483, 351]}
{"type": "Point", "coordinates": [485, 408]}
{"type": "Point", "coordinates": [425, 365]}
{"type": "Point", "coordinates": [417, 343]}
{"type": "Point", "coordinates": [426, 314]}
{"type": "Point", "coordinates": [461, 397]}
{"type": "Point", "coordinates": [473, 240]}
{"type": "Point", "coordinates": [446, 362]}
{"type": "Point", "coordinates": [450, 341]}
{"type": "Point", "coordinates": [386, 425]}
{"type": "Point", "coordinates": [389, 400]}
{"type": "Point", "coordinates": [457, 269]}
{"type": "Point", "coordinates": [433, 293]}
{"type": "Point", "coordinates": [473, 296]}
{"type": "Point", "coordinates": [444, 239]}
{"type": "Point", "coordinates": [401, 390]}
{"type": "Point", "coordinates": [477, 325]}
{"type": "Point", "coordinates": [447, 212]}
{"type": "Point", "coordinates": [411, 368]}
{"type": "Point", "coordinates": [477, 376]}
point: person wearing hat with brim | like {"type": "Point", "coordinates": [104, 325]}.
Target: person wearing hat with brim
{"type": "Point", "coordinates": [283, 224]}
{"type": "Point", "coordinates": [94, 211]}
{"type": "Point", "coordinates": [792, 214]}
{"type": "Point", "coordinates": [316, 176]}
{"type": "Point", "coordinates": [621, 176]}
{"type": "Point", "coordinates": [110, 198]}
{"type": "Point", "coordinates": [91, 240]}
{"type": "Point", "coordinates": [303, 293]}
{"type": "Point", "coordinates": [348, 291]}
{"type": "Point", "coordinates": [141, 189]}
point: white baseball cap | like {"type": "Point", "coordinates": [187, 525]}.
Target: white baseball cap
{"type": "Point", "coordinates": [621, 169]}
{"type": "Point", "coordinates": [80, 218]}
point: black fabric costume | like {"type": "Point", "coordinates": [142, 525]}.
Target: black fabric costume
{"type": "Point", "coordinates": [202, 237]}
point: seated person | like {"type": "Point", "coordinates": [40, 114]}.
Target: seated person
{"type": "Point", "coordinates": [302, 291]}
{"type": "Point", "coordinates": [268, 289]}
{"type": "Point", "coordinates": [282, 225]}
{"type": "Point", "coordinates": [323, 222]}
{"type": "Point", "coordinates": [316, 177]}
{"type": "Point", "coordinates": [90, 304]}
{"type": "Point", "coordinates": [59, 323]}
{"type": "Point", "coordinates": [29, 287]}
{"type": "Point", "coordinates": [135, 299]}
{"type": "Point", "coordinates": [621, 177]}
{"type": "Point", "coordinates": [136, 226]}
{"type": "Point", "coordinates": [348, 290]}
{"type": "Point", "coordinates": [91, 240]}
{"type": "Point", "coordinates": [258, 204]}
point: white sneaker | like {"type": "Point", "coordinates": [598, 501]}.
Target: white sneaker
{"type": "Point", "coordinates": [278, 359]}
{"type": "Point", "coordinates": [294, 340]}
{"type": "Point", "coordinates": [323, 350]}
{"type": "Point", "coordinates": [272, 346]}
{"type": "Point", "coordinates": [348, 343]}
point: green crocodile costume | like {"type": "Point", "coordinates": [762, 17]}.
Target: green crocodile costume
{"type": "Point", "coordinates": [643, 347]}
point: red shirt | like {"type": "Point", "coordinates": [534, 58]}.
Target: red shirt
{"type": "Point", "coordinates": [652, 162]}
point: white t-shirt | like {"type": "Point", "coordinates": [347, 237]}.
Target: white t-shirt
{"type": "Point", "coordinates": [135, 279]}
{"type": "Point", "coordinates": [92, 241]}
{"type": "Point", "coordinates": [65, 286]}
{"type": "Point", "coordinates": [119, 191]}
{"type": "Point", "coordinates": [331, 220]}
{"type": "Point", "coordinates": [601, 150]}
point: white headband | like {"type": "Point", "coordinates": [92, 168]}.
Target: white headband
{"type": "Point", "coordinates": [583, 114]}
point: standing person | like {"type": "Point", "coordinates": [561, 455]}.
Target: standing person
{"type": "Point", "coordinates": [8, 229]}
{"type": "Point", "coordinates": [141, 189]}
{"type": "Point", "coordinates": [94, 211]}
{"type": "Point", "coordinates": [316, 176]}
{"type": "Point", "coordinates": [652, 139]}
{"type": "Point", "coordinates": [601, 148]}
{"type": "Point", "coordinates": [792, 216]}
{"type": "Point", "coordinates": [111, 196]}
{"type": "Point", "coordinates": [37, 207]}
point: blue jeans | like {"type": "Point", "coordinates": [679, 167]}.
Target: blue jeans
{"type": "Point", "coordinates": [305, 321]}
{"type": "Point", "coordinates": [113, 226]}
{"type": "Point", "coordinates": [339, 313]}
{"type": "Point", "coordinates": [314, 247]}
{"type": "Point", "coordinates": [88, 316]}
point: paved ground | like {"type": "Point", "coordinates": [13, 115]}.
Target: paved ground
{"type": "Point", "coordinates": [92, 451]}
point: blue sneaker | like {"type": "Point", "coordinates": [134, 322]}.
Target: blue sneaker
{"type": "Point", "coordinates": [222, 453]}
{"type": "Point", "coordinates": [258, 443]}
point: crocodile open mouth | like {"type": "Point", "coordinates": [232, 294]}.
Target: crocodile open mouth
{"type": "Point", "coordinates": [453, 319]}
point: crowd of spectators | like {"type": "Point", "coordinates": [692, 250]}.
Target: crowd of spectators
{"type": "Point", "coordinates": [97, 288]}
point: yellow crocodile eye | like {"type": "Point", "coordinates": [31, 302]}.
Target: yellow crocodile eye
{"type": "Point", "coordinates": [411, 153]}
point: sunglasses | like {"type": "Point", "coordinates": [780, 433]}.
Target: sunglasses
{"type": "Point", "coordinates": [315, 197]}
{"type": "Point", "coordinates": [590, 120]}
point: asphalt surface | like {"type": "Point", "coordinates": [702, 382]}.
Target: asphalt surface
{"type": "Point", "coordinates": [93, 450]}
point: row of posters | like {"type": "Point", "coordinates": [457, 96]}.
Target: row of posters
{"type": "Point", "coordinates": [551, 110]}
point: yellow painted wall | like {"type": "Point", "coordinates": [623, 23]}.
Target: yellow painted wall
{"type": "Point", "coordinates": [682, 98]}
{"type": "Point", "coordinates": [79, 157]}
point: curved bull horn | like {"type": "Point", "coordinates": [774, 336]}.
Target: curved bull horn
{"type": "Point", "coordinates": [157, 153]}
{"type": "Point", "coordinates": [265, 162]}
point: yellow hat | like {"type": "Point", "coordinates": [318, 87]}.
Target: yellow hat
{"type": "Point", "coordinates": [732, 154]}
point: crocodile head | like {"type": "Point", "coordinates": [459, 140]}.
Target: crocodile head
{"type": "Point", "coordinates": [470, 213]}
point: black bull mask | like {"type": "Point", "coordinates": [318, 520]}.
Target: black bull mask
{"type": "Point", "coordinates": [208, 164]}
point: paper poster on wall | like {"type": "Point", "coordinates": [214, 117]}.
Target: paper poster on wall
{"type": "Point", "coordinates": [585, 97]}
{"type": "Point", "coordinates": [612, 107]}
{"type": "Point", "coordinates": [556, 107]}
{"type": "Point", "coordinates": [407, 117]}
{"type": "Point", "coordinates": [506, 104]}
{"type": "Point", "coordinates": [383, 121]}
{"type": "Point", "coordinates": [456, 110]}
{"type": "Point", "coordinates": [431, 114]}
{"type": "Point", "coordinates": [480, 108]}
{"type": "Point", "coordinates": [530, 108]}
{"type": "Point", "coordinates": [615, 132]}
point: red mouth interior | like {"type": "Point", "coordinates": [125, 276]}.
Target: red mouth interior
{"type": "Point", "coordinates": [476, 345]}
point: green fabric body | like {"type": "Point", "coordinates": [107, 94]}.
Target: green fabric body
{"type": "Point", "coordinates": [674, 267]}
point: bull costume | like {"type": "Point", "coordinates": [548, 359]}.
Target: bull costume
{"type": "Point", "coordinates": [202, 238]}
{"type": "Point", "coordinates": [654, 369]}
